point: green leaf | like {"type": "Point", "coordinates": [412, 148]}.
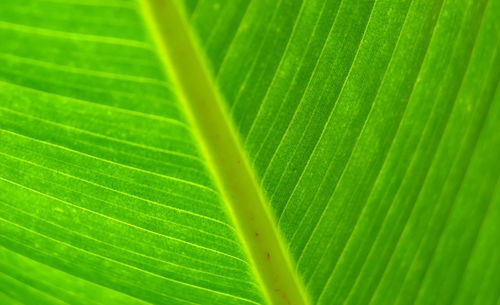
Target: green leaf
{"type": "Point", "coordinates": [249, 152]}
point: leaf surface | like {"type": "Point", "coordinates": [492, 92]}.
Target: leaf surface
{"type": "Point", "coordinates": [367, 131]}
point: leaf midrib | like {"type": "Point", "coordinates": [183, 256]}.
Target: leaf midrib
{"type": "Point", "coordinates": [185, 63]}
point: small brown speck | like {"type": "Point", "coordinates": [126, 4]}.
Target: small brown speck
{"type": "Point", "coordinates": [268, 256]}
{"type": "Point", "coordinates": [256, 234]}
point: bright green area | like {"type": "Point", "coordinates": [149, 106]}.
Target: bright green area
{"type": "Point", "coordinates": [372, 128]}
{"type": "Point", "coordinates": [100, 175]}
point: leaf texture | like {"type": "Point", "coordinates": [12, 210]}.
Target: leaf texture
{"type": "Point", "coordinates": [372, 127]}
{"type": "Point", "coordinates": [100, 174]}
{"type": "Point", "coordinates": [364, 121]}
